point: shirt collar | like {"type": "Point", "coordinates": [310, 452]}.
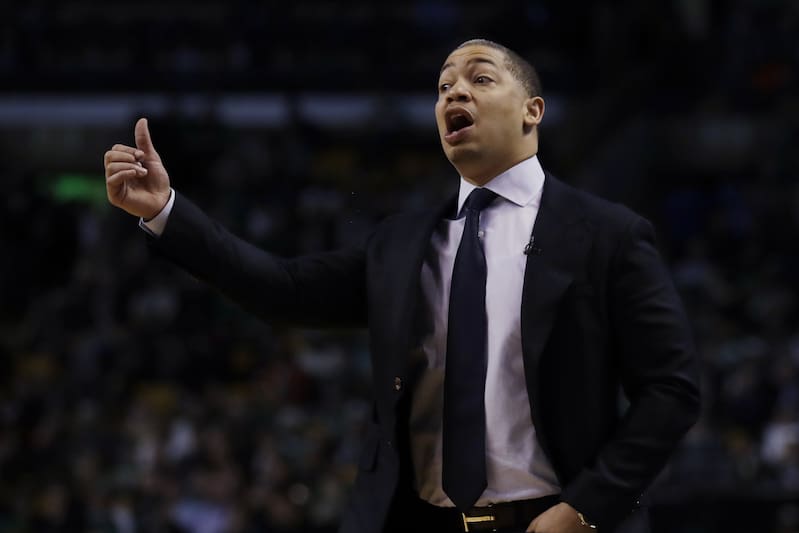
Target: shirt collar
{"type": "Point", "coordinates": [521, 184]}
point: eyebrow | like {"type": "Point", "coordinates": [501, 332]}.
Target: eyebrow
{"type": "Point", "coordinates": [470, 61]}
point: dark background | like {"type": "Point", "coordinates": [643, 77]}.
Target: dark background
{"type": "Point", "coordinates": [134, 399]}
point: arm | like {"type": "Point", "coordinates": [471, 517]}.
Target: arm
{"type": "Point", "coordinates": [320, 289]}
{"type": "Point", "coordinates": [314, 290]}
{"type": "Point", "coordinates": [658, 371]}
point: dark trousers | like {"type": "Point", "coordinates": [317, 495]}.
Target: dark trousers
{"type": "Point", "coordinates": [417, 515]}
{"type": "Point", "coordinates": [411, 514]}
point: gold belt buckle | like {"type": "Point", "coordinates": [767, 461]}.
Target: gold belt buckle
{"type": "Point", "coordinates": [476, 519]}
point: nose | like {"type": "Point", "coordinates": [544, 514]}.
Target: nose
{"type": "Point", "coordinates": [458, 93]}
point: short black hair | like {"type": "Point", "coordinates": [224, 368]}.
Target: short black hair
{"type": "Point", "coordinates": [520, 68]}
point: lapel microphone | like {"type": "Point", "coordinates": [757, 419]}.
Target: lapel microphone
{"type": "Point", "coordinates": [531, 248]}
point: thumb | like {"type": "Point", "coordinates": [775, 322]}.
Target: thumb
{"type": "Point", "coordinates": [142, 135]}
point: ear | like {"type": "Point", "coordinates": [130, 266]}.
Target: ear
{"type": "Point", "coordinates": [533, 111]}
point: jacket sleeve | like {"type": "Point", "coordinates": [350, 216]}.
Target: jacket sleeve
{"type": "Point", "coordinates": [659, 374]}
{"type": "Point", "coordinates": [325, 289]}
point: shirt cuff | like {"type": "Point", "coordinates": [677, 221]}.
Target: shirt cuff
{"type": "Point", "coordinates": [155, 226]}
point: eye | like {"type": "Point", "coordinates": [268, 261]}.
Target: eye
{"type": "Point", "coordinates": [444, 87]}
{"type": "Point", "coordinates": [482, 79]}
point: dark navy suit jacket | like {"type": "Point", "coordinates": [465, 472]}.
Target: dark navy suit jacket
{"type": "Point", "coordinates": [599, 314]}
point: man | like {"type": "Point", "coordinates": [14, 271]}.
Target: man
{"type": "Point", "coordinates": [502, 325]}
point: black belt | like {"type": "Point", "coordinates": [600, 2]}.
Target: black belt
{"type": "Point", "coordinates": [495, 517]}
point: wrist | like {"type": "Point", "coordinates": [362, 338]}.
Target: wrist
{"type": "Point", "coordinates": [164, 201]}
{"type": "Point", "coordinates": [584, 522]}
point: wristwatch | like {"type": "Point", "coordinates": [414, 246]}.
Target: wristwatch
{"type": "Point", "coordinates": [584, 522]}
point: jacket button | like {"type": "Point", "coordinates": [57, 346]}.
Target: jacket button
{"type": "Point", "coordinates": [397, 384]}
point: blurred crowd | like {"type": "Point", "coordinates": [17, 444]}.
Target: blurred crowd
{"type": "Point", "coordinates": [132, 398]}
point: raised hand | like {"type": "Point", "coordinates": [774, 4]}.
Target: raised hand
{"type": "Point", "coordinates": [135, 178]}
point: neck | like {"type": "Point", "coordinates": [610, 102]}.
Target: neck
{"type": "Point", "coordinates": [480, 178]}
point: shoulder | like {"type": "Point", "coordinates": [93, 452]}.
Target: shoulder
{"type": "Point", "coordinates": [399, 223]}
{"type": "Point", "coordinates": [401, 234]}
{"type": "Point", "coordinates": [405, 224]}
{"type": "Point", "coordinates": [599, 212]}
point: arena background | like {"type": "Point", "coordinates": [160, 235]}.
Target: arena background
{"type": "Point", "coordinates": [133, 399]}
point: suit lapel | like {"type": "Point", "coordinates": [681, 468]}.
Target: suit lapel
{"type": "Point", "coordinates": [406, 266]}
{"type": "Point", "coordinates": [561, 238]}
{"type": "Point", "coordinates": [561, 242]}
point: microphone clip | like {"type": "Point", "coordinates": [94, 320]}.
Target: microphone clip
{"type": "Point", "coordinates": [531, 248]}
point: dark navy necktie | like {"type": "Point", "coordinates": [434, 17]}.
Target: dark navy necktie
{"type": "Point", "coordinates": [464, 469]}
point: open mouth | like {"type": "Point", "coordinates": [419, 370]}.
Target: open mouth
{"type": "Point", "coordinates": [458, 119]}
{"type": "Point", "coordinates": [459, 122]}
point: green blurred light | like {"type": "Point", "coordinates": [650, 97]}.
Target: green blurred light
{"type": "Point", "coordinates": [82, 188]}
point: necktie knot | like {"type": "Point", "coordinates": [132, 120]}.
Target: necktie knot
{"type": "Point", "coordinates": [478, 199]}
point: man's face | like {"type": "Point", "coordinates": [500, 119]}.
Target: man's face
{"type": "Point", "coordinates": [483, 114]}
